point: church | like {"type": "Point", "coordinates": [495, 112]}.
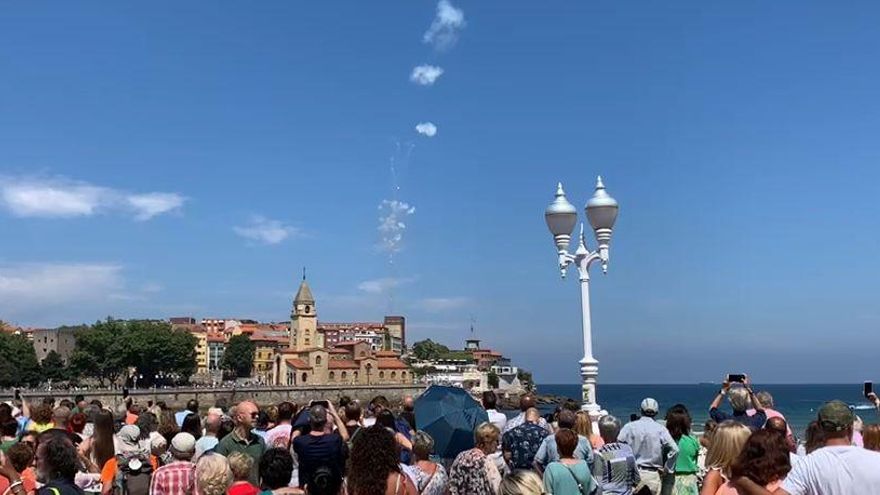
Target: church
{"type": "Point", "coordinates": [309, 359]}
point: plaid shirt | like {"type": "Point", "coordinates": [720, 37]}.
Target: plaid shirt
{"type": "Point", "coordinates": [173, 479]}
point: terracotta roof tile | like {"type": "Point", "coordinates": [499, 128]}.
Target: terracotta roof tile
{"type": "Point", "coordinates": [342, 364]}
{"type": "Point", "coordinates": [388, 354]}
{"type": "Point", "coordinates": [298, 364]}
{"type": "Point", "coordinates": [392, 364]}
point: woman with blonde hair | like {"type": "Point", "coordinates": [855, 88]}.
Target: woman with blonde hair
{"type": "Point", "coordinates": [583, 426]}
{"type": "Point", "coordinates": [521, 482]}
{"type": "Point", "coordinates": [728, 440]}
{"type": "Point", "coordinates": [213, 475]}
{"type": "Point", "coordinates": [474, 472]}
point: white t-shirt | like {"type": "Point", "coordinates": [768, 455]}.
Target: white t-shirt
{"type": "Point", "coordinates": [496, 418]}
{"type": "Point", "coordinates": [835, 471]}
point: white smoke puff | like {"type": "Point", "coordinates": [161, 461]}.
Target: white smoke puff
{"type": "Point", "coordinates": [392, 216]}
{"type": "Point", "coordinates": [426, 129]}
{"type": "Point", "coordinates": [443, 32]}
{"type": "Point", "coordinates": [425, 75]}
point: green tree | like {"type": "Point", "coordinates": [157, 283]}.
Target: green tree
{"type": "Point", "coordinates": [18, 362]}
{"type": "Point", "coordinates": [238, 358]}
{"type": "Point", "coordinates": [493, 379]}
{"type": "Point", "coordinates": [151, 347]}
{"type": "Point", "coordinates": [525, 378]}
{"type": "Point", "coordinates": [53, 367]}
{"type": "Point", "coordinates": [428, 349]}
{"type": "Point", "coordinates": [99, 352]}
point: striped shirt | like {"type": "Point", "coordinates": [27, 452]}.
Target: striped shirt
{"type": "Point", "coordinates": [173, 479]}
{"type": "Point", "coordinates": [615, 469]}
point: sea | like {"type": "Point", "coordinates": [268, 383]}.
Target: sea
{"type": "Point", "coordinates": [798, 403]}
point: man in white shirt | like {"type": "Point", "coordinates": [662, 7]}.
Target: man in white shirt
{"type": "Point", "coordinates": [838, 468]}
{"type": "Point", "coordinates": [490, 403]}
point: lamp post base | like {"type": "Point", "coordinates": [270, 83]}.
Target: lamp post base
{"type": "Point", "coordinates": [589, 373]}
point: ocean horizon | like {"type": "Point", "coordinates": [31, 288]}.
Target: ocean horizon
{"type": "Point", "coordinates": [797, 402]}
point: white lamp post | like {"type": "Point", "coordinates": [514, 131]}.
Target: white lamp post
{"type": "Point", "coordinates": [561, 217]}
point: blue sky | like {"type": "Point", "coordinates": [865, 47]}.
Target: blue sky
{"type": "Point", "coordinates": [188, 159]}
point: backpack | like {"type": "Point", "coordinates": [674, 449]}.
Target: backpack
{"type": "Point", "coordinates": [133, 474]}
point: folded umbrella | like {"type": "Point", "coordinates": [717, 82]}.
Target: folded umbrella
{"type": "Point", "coordinates": [450, 415]}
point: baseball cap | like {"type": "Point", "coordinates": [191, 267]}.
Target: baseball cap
{"type": "Point", "coordinates": [184, 443]}
{"type": "Point", "coordinates": [650, 405]}
{"type": "Point", "coordinates": [835, 416]}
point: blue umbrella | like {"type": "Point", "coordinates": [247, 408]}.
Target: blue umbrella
{"type": "Point", "coordinates": [450, 415]}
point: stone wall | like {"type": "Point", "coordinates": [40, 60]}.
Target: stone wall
{"type": "Point", "coordinates": [177, 397]}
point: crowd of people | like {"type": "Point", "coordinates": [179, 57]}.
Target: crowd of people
{"type": "Point", "coordinates": [349, 448]}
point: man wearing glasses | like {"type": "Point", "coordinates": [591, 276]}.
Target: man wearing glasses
{"type": "Point", "coordinates": [243, 439]}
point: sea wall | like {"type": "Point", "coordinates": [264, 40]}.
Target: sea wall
{"type": "Point", "coordinates": [177, 397]}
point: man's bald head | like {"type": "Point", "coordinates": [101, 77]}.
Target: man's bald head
{"type": "Point", "coordinates": [532, 415]}
{"type": "Point", "coordinates": [777, 424]}
{"type": "Point", "coordinates": [526, 402]}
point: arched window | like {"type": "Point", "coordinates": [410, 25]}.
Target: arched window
{"type": "Point", "coordinates": [355, 376]}
{"type": "Point", "coordinates": [363, 353]}
{"type": "Point", "coordinates": [332, 376]}
{"type": "Point", "coordinates": [308, 309]}
{"type": "Point", "coordinates": [393, 375]}
{"type": "Point", "coordinates": [381, 375]}
{"type": "Point", "coordinates": [305, 377]}
{"type": "Point", "coordinates": [317, 360]}
{"type": "Point", "coordinates": [344, 375]}
{"type": "Point", "coordinates": [403, 375]}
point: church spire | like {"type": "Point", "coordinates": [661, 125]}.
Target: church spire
{"type": "Point", "coordinates": [304, 294]}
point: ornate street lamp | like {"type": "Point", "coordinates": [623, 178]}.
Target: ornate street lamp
{"type": "Point", "coordinates": [561, 216]}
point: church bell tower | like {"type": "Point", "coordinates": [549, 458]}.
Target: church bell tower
{"type": "Point", "coordinates": [303, 319]}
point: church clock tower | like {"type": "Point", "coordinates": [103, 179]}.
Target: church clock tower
{"type": "Point", "coordinates": [303, 319]}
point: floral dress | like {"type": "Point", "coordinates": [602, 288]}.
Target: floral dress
{"type": "Point", "coordinates": [473, 473]}
{"type": "Point", "coordinates": [431, 484]}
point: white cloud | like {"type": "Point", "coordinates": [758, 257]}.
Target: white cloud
{"type": "Point", "coordinates": [425, 75]}
{"type": "Point", "coordinates": [59, 197]}
{"type": "Point", "coordinates": [426, 129]}
{"type": "Point", "coordinates": [266, 231]}
{"type": "Point", "coordinates": [439, 304]}
{"type": "Point", "coordinates": [149, 205]}
{"type": "Point", "coordinates": [392, 214]}
{"type": "Point", "coordinates": [448, 22]}
{"type": "Point", "coordinates": [41, 286]}
{"type": "Point", "coordinates": [382, 285]}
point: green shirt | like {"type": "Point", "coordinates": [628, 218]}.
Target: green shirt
{"type": "Point", "coordinates": [254, 446]}
{"type": "Point", "coordinates": [4, 446]}
{"type": "Point", "coordinates": [688, 449]}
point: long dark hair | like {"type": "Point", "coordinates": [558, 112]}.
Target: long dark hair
{"type": "Point", "coordinates": [102, 438]}
{"type": "Point", "coordinates": [678, 421]}
{"type": "Point", "coordinates": [373, 458]}
{"type": "Point", "coordinates": [763, 459]}
{"type": "Point", "coordinates": [192, 424]}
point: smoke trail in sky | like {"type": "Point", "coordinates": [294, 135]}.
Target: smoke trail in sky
{"type": "Point", "coordinates": [392, 224]}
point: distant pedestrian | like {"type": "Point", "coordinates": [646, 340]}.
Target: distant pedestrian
{"type": "Point", "coordinates": [548, 451]}
{"type": "Point", "coordinates": [568, 475]}
{"type": "Point", "coordinates": [682, 481]}
{"type": "Point", "coordinates": [192, 407]}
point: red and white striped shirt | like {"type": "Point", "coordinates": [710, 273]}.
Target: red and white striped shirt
{"type": "Point", "coordinates": [173, 479]}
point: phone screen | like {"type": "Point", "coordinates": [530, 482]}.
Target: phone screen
{"type": "Point", "coordinates": [869, 388]}
{"type": "Point", "coordinates": [321, 403]}
{"type": "Point", "coordinates": [738, 378]}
